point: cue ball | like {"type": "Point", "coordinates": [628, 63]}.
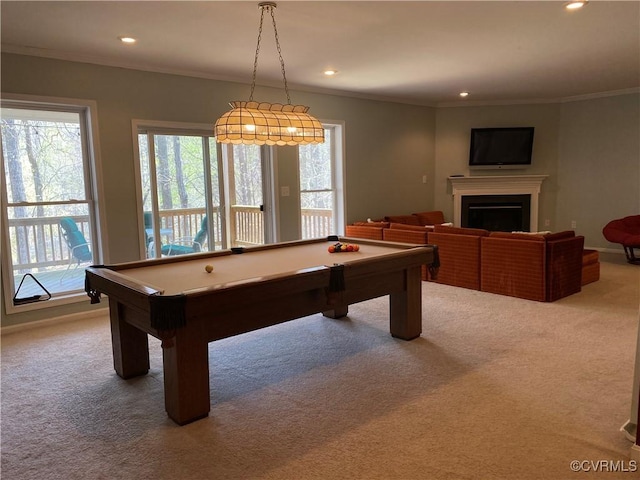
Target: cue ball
{"type": "Point", "coordinates": [209, 268]}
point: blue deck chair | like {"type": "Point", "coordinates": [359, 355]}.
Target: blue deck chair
{"type": "Point", "coordinates": [183, 246]}
{"type": "Point", "coordinates": [79, 251]}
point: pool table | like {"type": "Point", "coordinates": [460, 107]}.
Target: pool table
{"type": "Point", "coordinates": [177, 301]}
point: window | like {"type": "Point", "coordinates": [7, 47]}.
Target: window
{"type": "Point", "coordinates": [48, 201]}
{"type": "Point", "coordinates": [321, 200]}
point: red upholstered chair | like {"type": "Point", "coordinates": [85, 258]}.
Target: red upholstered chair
{"type": "Point", "coordinates": [625, 231]}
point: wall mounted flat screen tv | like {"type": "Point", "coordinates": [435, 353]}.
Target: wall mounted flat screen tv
{"type": "Point", "coordinates": [497, 148]}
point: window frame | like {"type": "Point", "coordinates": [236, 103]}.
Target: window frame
{"type": "Point", "coordinates": [87, 111]}
{"type": "Point", "coordinates": [338, 169]}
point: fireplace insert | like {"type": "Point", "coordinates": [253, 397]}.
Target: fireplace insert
{"type": "Point", "coordinates": [503, 213]}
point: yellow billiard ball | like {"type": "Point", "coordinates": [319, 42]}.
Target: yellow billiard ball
{"type": "Point", "coordinates": [209, 268]}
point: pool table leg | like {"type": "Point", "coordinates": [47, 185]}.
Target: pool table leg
{"type": "Point", "coordinates": [406, 307]}
{"type": "Point", "coordinates": [337, 312]}
{"type": "Point", "coordinates": [186, 377]}
{"type": "Point", "coordinates": [130, 345]}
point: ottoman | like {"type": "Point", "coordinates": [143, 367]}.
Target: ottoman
{"type": "Point", "coordinates": [590, 266]}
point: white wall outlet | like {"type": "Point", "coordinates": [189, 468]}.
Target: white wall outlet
{"type": "Point", "coordinates": [574, 224]}
{"type": "Point", "coordinates": [547, 222]}
{"type": "Point", "coordinates": [284, 191]}
{"type": "Point", "coordinates": [424, 179]}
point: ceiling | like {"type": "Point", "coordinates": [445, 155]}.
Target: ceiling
{"type": "Point", "coordinates": [420, 52]}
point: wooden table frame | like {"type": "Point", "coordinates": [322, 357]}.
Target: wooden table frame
{"type": "Point", "coordinates": [275, 299]}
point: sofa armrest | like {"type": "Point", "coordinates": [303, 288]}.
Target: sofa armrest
{"type": "Point", "coordinates": [564, 267]}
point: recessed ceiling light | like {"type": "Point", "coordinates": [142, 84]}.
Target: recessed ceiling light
{"type": "Point", "coordinates": [330, 73]}
{"type": "Point", "coordinates": [575, 5]}
{"type": "Point", "coordinates": [127, 40]}
{"type": "Point", "coordinates": [464, 94]}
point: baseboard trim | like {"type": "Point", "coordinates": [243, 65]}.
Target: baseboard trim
{"type": "Point", "coordinates": [615, 251]}
{"type": "Point", "coordinates": [634, 453]}
{"type": "Point", "coordinates": [630, 430]}
{"type": "Point", "coordinates": [72, 317]}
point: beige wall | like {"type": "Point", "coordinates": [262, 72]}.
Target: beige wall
{"type": "Point", "coordinates": [377, 132]}
{"type": "Point", "coordinates": [589, 149]}
{"type": "Point", "coordinates": [599, 167]}
{"type": "Point", "coordinates": [453, 126]}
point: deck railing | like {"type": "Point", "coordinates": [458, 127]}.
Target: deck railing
{"type": "Point", "coordinates": [317, 222]}
{"type": "Point", "coordinates": [38, 243]}
{"type": "Point", "coordinates": [246, 225]}
{"type": "Point", "coordinates": [185, 223]}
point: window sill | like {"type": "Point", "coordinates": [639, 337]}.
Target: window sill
{"type": "Point", "coordinates": [56, 301]}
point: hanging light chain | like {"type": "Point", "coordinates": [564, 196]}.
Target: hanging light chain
{"type": "Point", "coordinates": [255, 60]}
{"type": "Point", "coordinates": [270, 6]}
{"type": "Point", "coordinates": [284, 75]}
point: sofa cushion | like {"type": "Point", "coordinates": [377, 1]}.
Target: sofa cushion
{"type": "Point", "coordinates": [479, 232]}
{"type": "Point", "coordinates": [518, 236]}
{"type": "Point", "coordinates": [404, 226]}
{"type": "Point", "coordinates": [550, 237]}
{"type": "Point", "coordinates": [435, 217]}
{"type": "Point", "coordinates": [537, 236]}
{"type": "Point", "coordinates": [372, 224]}
{"type": "Point", "coordinates": [407, 219]}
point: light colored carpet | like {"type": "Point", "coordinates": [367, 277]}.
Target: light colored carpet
{"type": "Point", "coordinates": [496, 388]}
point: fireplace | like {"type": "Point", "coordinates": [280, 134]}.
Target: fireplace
{"type": "Point", "coordinates": [489, 192]}
{"type": "Point", "coordinates": [504, 213]}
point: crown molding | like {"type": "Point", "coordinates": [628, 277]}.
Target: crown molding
{"type": "Point", "coordinates": [111, 62]}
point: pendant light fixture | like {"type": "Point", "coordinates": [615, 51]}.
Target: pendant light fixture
{"type": "Point", "coordinates": [260, 123]}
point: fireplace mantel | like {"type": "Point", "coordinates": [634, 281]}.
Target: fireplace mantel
{"type": "Point", "coordinates": [496, 185]}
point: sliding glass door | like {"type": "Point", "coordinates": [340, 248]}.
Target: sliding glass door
{"type": "Point", "coordinates": [195, 195]}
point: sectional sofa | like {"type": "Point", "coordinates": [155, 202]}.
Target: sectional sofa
{"type": "Point", "coordinates": [536, 266]}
